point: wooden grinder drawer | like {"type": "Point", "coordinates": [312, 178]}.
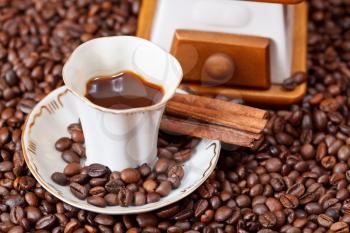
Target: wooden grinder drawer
{"type": "Point", "coordinates": [220, 59]}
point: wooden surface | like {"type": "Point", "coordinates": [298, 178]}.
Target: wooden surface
{"type": "Point", "coordinates": [275, 95]}
{"type": "Point", "coordinates": [250, 55]}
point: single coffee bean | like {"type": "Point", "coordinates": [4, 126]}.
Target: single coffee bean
{"type": "Point", "coordinates": [72, 169]}
{"type": "Point", "coordinates": [78, 190]}
{"type": "Point", "coordinates": [325, 220]}
{"type": "Point", "coordinates": [63, 144]}
{"type": "Point", "coordinates": [113, 186]}
{"type": "Point", "coordinates": [162, 165]}
{"type": "Point", "coordinates": [70, 156]}
{"type": "Point", "coordinates": [130, 175]}
{"type": "Point", "coordinates": [78, 149]}
{"type": "Point", "coordinates": [147, 220]}
{"type": "Point", "coordinates": [45, 222]}
{"type": "Point", "coordinates": [59, 178]}
{"type": "Point", "coordinates": [222, 213]}
{"type": "Point", "coordinates": [164, 188]}
{"type": "Point", "coordinates": [273, 165]}
{"type": "Point", "coordinates": [289, 201]}
{"type": "Point", "coordinates": [267, 219]}
{"type": "Point", "coordinates": [152, 197]}
{"type": "Point", "coordinates": [125, 197]}
{"type": "Point", "coordinates": [103, 219]}
{"type": "Point", "coordinates": [145, 170]}
{"type": "Point", "coordinates": [111, 199]}
{"type": "Point", "coordinates": [97, 201]}
{"type": "Point", "coordinates": [97, 170]}
{"type": "Point", "coordinates": [80, 178]}
{"type": "Point", "coordinates": [77, 136]}
{"type": "Point", "coordinates": [339, 227]}
{"type": "Point", "coordinates": [176, 171]}
{"type": "Point", "coordinates": [139, 198]}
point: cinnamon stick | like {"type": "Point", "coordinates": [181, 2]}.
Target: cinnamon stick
{"type": "Point", "coordinates": [223, 116]}
{"type": "Point", "coordinates": [219, 105]}
{"type": "Point", "coordinates": [216, 132]}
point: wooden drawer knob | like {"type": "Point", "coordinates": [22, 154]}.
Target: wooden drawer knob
{"type": "Point", "coordinates": [219, 66]}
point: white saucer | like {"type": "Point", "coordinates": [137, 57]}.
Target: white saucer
{"type": "Point", "coordinates": [49, 120]}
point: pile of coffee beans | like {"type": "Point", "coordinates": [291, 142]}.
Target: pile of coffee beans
{"type": "Point", "coordinates": [297, 181]}
{"type": "Point", "coordinates": [131, 186]}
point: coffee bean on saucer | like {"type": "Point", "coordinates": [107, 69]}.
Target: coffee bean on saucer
{"type": "Point", "coordinates": [149, 185]}
{"type": "Point", "coordinates": [72, 169]}
{"type": "Point", "coordinates": [125, 197]}
{"type": "Point", "coordinates": [59, 178]}
{"type": "Point", "coordinates": [164, 188]}
{"type": "Point", "coordinates": [70, 156]}
{"type": "Point", "coordinates": [97, 170]}
{"type": "Point", "coordinates": [97, 201]}
{"type": "Point", "coordinates": [130, 175]}
{"type": "Point", "coordinates": [78, 190]}
{"type": "Point", "coordinates": [74, 127]}
{"type": "Point", "coordinates": [63, 143]}
{"type": "Point", "coordinates": [176, 170]}
{"type": "Point", "coordinates": [111, 199]}
{"type": "Point", "coordinates": [162, 165]}
{"type": "Point", "coordinates": [77, 136]}
{"type": "Point", "coordinates": [152, 197]}
{"type": "Point", "coordinates": [139, 198]}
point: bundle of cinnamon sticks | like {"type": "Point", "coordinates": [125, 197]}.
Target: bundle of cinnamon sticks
{"type": "Point", "coordinates": [205, 117]}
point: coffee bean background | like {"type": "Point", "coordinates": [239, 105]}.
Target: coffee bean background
{"type": "Point", "coordinates": [297, 181]}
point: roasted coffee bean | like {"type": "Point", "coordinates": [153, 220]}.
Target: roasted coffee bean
{"type": "Point", "coordinates": [162, 165]}
{"type": "Point", "coordinates": [78, 190]}
{"type": "Point", "coordinates": [147, 220]}
{"type": "Point", "coordinates": [152, 197]}
{"type": "Point", "coordinates": [223, 213]}
{"type": "Point", "coordinates": [297, 190]}
{"type": "Point", "coordinates": [325, 220]}
{"type": "Point", "coordinates": [78, 149]}
{"type": "Point", "coordinates": [72, 169]}
{"type": "Point", "coordinates": [59, 178]}
{"type": "Point", "coordinates": [176, 171]}
{"type": "Point", "coordinates": [97, 170]}
{"type": "Point", "coordinates": [267, 219]}
{"type": "Point", "coordinates": [70, 156]}
{"type": "Point", "coordinates": [112, 199]}
{"type": "Point", "coordinates": [63, 144]}
{"type": "Point", "coordinates": [114, 185]}
{"type": "Point", "coordinates": [125, 197]}
{"type": "Point", "coordinates": [97, 201]}
{"type": "Point", "coordinates": [164, 188]}
{"type": "Point", "coordinates": [80, 178]}
{"type": "Point", "coordinates": [289, 201]}
{"type": "Point", "coordinates": [77, 136]}
{"type": "Point", "coordinates": [130, 175]}
{"type": "Point", "coordinates": [339, 227]}
{"type": "Point", "coordinates": [273, 165]}
{"type": "Point", "coordinates": [139, 198]}
{"type": "Point", "coordinates": [45, 222]}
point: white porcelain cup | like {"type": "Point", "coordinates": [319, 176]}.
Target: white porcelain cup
{"type": "Point", "coordinates": [120, 138]}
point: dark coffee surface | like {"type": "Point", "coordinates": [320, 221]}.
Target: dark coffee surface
{"type": "Point", "coordinates": [124, 90]}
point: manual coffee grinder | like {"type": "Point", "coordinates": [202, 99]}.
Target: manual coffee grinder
{"type": "Point", "coordinates": [238, 48]}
